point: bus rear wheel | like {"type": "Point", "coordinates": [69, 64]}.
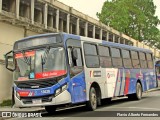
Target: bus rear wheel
{"type": "Point", "coordinates": [50, 109]}
{"type": "Point", "coordinates": [138, 94]}
{"type": "Point", "coordinates": [92, 103]}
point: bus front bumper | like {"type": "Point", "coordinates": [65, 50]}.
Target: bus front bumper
{"type": "Point", "coordinates": [62, 98]}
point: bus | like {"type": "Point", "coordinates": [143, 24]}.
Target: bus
{"type": "Point", "coordinates": [57, 69]}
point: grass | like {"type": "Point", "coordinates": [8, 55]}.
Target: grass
{"type": "Point", "coordinates": [6, 103]}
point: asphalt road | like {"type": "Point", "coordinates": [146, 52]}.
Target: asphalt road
{"type": "Point", "coordinates": [148, 105]}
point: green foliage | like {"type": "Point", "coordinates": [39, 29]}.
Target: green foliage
{"type": "Point", "coordinates": [6, 103]}
{"type": "Point", "coordinates": [135, 18]}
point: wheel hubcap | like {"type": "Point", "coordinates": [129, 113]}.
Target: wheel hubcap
{"type": "Point", "coordinates": [93, 99]}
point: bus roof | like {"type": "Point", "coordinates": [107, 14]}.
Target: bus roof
{"type": "Point", "coordinates": [112, 44]}
{"type": "Point", "coordinates": [103, 42]}
{"type": "Point", "coordinates": [35, 36]}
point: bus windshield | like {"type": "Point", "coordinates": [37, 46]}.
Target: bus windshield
{"type": "Point", "coordinates": [40, 63]}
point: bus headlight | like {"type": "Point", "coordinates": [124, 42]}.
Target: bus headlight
{"type": "Point", "coordinates": [61, 89]}
{"type": "Point", "coordinates": [64, 87]}
{"type": "Point", "coordinates": [58, 91]}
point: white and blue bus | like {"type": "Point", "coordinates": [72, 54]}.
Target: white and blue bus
{"type": "Point", "coordinates": [56, 69]}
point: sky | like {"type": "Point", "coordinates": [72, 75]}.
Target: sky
{"type": "Point", "coordinates": [91, 7]}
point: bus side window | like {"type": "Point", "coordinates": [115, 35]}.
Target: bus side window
{"type": "Point", "coordinates": [143, 61]}
{"type": "Point", "coordinates": [126, 58]}
{"type": "Point", "coordinates": [149, 60]}
{"type": "Point", "coordinates": [75, 60]}
{"type": "Point", "coordinates": [116, 57]}
{"type": "Point", "coordinates": [76, 57]}
{"type": "Point", "coordinates": [105, 57]}
{"type": "Point", "coordinates": [135, 59]}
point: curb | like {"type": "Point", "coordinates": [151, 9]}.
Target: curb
{"type": "Point", "coordinates": [154, 89]}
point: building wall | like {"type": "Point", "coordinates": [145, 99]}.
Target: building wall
{"type": "Point", "coordinates": [5, 83]}
{"type": "Point", "coordinates": [8, 35]}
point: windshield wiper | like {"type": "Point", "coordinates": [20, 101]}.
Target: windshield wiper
{"type": "Point", "coordinates": [45, 55]}
{"type": "Point", "coordinates": [42, 62]}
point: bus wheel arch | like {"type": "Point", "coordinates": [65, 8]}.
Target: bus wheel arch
{"type": "Point", "coordinates": [95, 92]}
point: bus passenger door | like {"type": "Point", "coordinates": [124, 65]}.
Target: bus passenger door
{"type": "Point", "coordinates": [77, 76]}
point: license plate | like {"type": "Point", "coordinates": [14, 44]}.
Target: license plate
{"type": "Point", "coordinates": [37, 101]}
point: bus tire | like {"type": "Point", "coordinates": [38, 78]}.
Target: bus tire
{"type": "Point", "coordinates": [92, 103]}
{"type": "Point", "coordinates": [138, 94]}
{"type": "Point", "coordinates": [50, 109]}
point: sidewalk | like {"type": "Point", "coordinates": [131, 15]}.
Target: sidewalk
{"type": "Point", "coordinates": [154, 89]}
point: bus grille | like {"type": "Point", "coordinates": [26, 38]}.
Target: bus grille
{"type": "Point", "coordinates": [35, 84]}
{"type": "Point", "coordinates": [28, 100]}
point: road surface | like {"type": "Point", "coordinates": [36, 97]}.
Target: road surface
{"type": "Point", "coordinates": [148, 105]}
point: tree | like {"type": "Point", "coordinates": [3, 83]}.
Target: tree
{"type": "Point", "coordinates": [135, 18]}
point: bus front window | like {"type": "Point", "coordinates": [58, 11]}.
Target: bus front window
{"type": "Point", "coordinates": [39, 64]}
{"type": "Point", "coordinates": [24, 65]}
{"type": "Point", "coordinates": [50, 62]}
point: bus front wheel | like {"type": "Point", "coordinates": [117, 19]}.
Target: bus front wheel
{"type": "Point", "coordinates": [92, 103]}
{"type": "Point", "coordinates": [50, 109]}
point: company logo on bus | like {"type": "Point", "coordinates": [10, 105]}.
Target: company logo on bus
{"type": "Point", "coordinates": [110, 74]}
{"type": "Point", "coordinates": [31, 94]}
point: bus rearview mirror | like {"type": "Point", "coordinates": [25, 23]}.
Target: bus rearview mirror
{"type": "Point", "coordinates": [9, 61]}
